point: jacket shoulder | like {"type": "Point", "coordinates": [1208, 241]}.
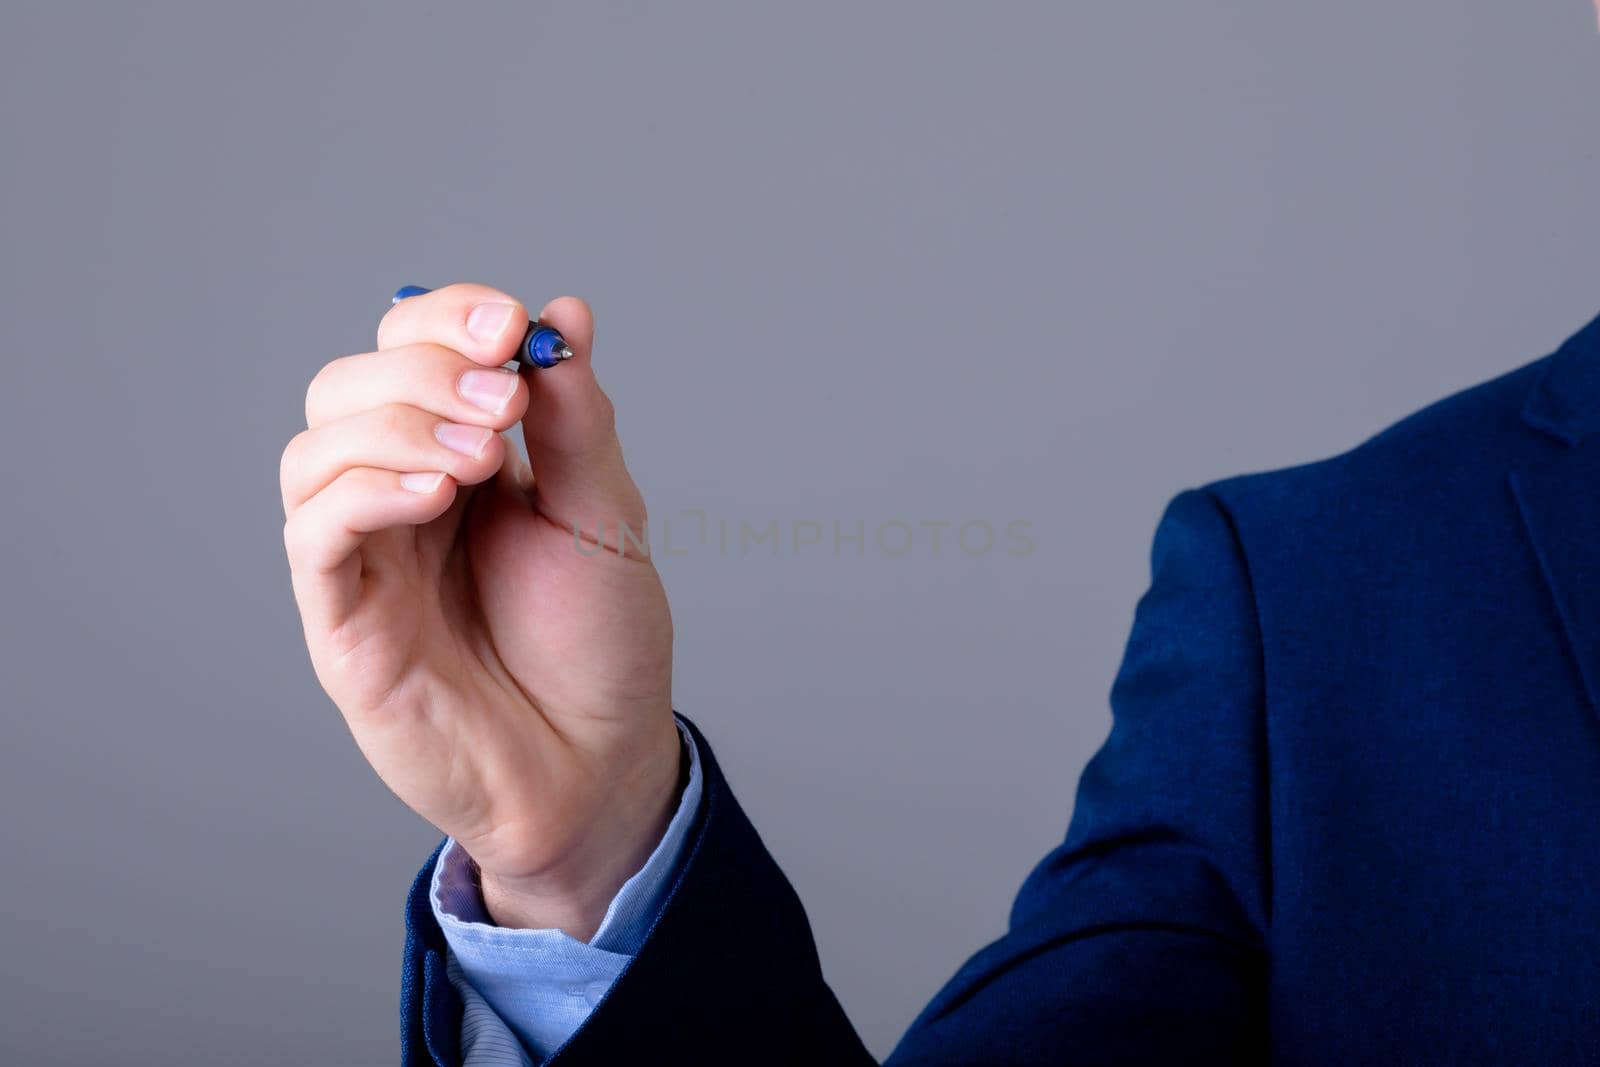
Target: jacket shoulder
{"type": "Point", "coordinates": [1450, 449]}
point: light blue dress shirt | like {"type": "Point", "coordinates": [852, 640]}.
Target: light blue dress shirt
{"type": "Point", "coordinates": [525, 992]}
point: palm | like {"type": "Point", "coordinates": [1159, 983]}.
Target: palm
{"type": "Point", "coordinates": [486, 641]}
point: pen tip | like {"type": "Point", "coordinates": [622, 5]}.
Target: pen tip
{"type": "Point", "coordinates": [563, 352]}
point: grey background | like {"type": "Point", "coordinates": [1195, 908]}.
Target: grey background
{"type": "Point", "coordinates": [882, 262]}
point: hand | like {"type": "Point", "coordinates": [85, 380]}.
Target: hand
{"type": "Point", "coordinates": [511, 689]}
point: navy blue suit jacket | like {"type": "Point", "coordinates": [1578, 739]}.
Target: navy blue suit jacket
{"type": "Point", "coordinates": [1349, 809]}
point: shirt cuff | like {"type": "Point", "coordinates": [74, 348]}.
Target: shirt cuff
{"type": "Point", "coordinates": [544, 983]}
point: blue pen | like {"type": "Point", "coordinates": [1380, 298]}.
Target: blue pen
{"type": "Point", "coordinates": [541, 346]}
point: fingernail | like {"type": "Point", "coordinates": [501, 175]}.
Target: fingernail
{"type": "Point", "coordinates": [488, 389]}
{"type": "Point", "coordinates": [488, 321]}
{"type": "Point", "coordinates": [468, 440]}
{"type": "Point", "coordinates": [422, 481]}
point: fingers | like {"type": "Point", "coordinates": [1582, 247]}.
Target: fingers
{"type": "Point", "coordinates": [393, 437]}
{"type": "Point", "coordinates": [322, 533]}
{"type": "Point", "coordinates": [481, 323]}
{"type": "Point", "coordinates": [416, 405]}
{"type": "Point", "coordinates": [424, 375]}
{"type": "Point", "coordinates": [570, 430]}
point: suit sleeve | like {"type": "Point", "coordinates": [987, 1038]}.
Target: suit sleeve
{"type": "Point", "coordinates": [1139, 940]}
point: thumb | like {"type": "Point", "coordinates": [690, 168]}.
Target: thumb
{"type": "Point", "coordinates": [571, 432]}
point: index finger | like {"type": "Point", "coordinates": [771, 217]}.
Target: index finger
{"type": "Point", "coordinates": [481, 323]}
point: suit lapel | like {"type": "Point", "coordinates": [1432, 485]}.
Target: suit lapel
{"type": "Point", "coordinates": [1559, 495]}
{"type": "Point", "coordinates": [1560, 504]}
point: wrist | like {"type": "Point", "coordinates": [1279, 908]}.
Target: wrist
{"type": "Point", "coordinates": [574, 894]}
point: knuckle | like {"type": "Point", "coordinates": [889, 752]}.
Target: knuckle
{"type": "Point", "coordinates": [295, 542]}
{"type": "Point", "coordinates": [319, 386]}
{"type": "Point", "coordinates": [389, 322]}
{"type": "Point", "coordinates": [290, 463]}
